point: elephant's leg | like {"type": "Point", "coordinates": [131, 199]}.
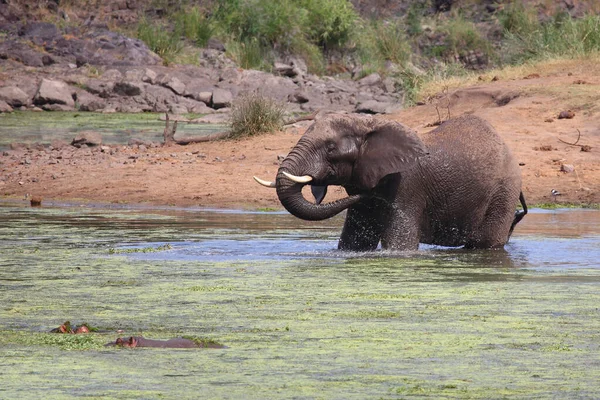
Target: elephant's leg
{"type": "Point", "coordinates": [494, 229]}
{"type": "Point", "coordinates": [362, 228]}
{"type": "Point", "coordinates": [402, 229]}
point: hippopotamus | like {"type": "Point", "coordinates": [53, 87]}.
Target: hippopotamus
{"type": "Point", "coordinates": [177, 343]}
{"type": "Point", "coordinates": [67, 328]}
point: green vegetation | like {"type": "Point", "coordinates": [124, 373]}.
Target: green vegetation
{"type": "Point", "coordinates": [253, 114]}
{"type": "Point", "coordinates": [297, 322]}
{"type": "Point", "coordinates": [562, 36]}
{"type": "Point", "coordinates": [160, 40]}
{"type": "Point", "coordinates": [257, 32]}
{"type": "Point", "coordinates": [140, 249]}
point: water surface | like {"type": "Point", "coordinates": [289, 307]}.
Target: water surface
{"type": "Point", "coordinates": [115, 128]}
{"type": "Point", "coordinates": [300, 319]}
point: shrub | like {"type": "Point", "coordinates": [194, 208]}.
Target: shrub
{"type": "Point", "coordinates": [392, 44]}
{"type": "Point", "coordinates": [164, 43]}
{"type": "Point", "coordinates": [271, 23]}
{"type": "Point", "coordinates": [329, 23]}
{"type": "Point", "coordinates": [253, 114]}
{"type": "Point", "coordinates": [515, 18]}
{"type": "Point", "coordinates": [562, 36]}
{"type": "Point", "coordinates": [194, 25]}
{"type": "Point", "coordinates": [250, 54]}
{"type": "Point", "coordinates": [462, 36]}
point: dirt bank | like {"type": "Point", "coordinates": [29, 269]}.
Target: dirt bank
{"type": "Point", "coordinates": [219, 174]}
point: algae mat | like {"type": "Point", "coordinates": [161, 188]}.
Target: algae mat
{"type": "Point", "coordinates": [299, 319]}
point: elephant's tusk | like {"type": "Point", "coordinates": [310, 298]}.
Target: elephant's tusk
{"type": "Point", "coordinates": [265, 183]}
{"type": "Point", "coordinates": [298, 179]}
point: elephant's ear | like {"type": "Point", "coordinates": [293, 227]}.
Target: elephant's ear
{"type": "Point", "coordinates": [389, 148]}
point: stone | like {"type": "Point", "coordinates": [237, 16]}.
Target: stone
{"type": "Point", "coordinates": [5, 107]}
{"type": "Point", "coordinates": [57, 107]}
{"type": "Point", "coordinates": [284, 69]}
{"type": "Point", "coordinates": [89, 138]}
{"type": "Point", "coordinates": [299, 97]}
{"type": "Point", "coordinates": [14, 96]}
{"type": "Point", "coordinates": [178, 109]}
{"type": "Point", "coordinates": [174, 84]}
{"type": "Point", "coordinates": [205, 97]}
{"type": "Point", "coordinates": [127, 89]}
{"type": "Point", "coordinates": [370, 80]}
{"type": "Point", "coordinates": [149, 76]}
{"type": "Point", "coordinates": [221, 98]}
{"type": "Point", "coordinates": [215, 44]}
{"type": "Point", "coordinates": [98, 87]}
{"type": "Point", "coordinates": [89, 102]}
{"type": "Point", "coordinates": [112, 75]}
{"type": "Point", "coordinates": [377, 107]}
{"type": "Point", "coordinates": [566, 114]}
{"type": "Point", "coordinates": [54, 92]}
{"type": "Point", "coordinates": [567, 168]}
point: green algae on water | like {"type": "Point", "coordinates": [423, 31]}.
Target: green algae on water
{"type": "Point", "coordinates": [297, 320]}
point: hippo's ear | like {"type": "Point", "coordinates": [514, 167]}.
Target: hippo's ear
{"type": "Point", "coordinates": [390, 147]}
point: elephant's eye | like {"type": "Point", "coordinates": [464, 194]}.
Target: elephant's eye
{"type": "Point", "coordinates": [330, 147]}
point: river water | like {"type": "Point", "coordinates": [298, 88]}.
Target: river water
{"type": "Point", "coordinates": [299, 318]}
{"type": "Point", "coordinates": [115, 128]}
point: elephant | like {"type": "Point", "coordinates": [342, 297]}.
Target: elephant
{"type": "Point", "coordinates": [457, 185]}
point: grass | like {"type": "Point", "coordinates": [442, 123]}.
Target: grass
{"type": "Point", "coordinates": [193, 24]}
{"type": "Point", "coordinates": [160, 40]}
{"type": "Point", "coordinates": [254, 114]}
{"type": "Point", "coordinates": [258, 32]}
{"type": "Point", "coordinates": [433, 82]}
{"type": "Point", "coordinates": [562, 36]}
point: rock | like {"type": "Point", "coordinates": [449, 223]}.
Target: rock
{"type": "Point", "coordinates": [57, 107]}
{"type": "Point", "coordinates": [173, 83]}
{"type": "Point", "coordinates": [21, 52]}
{"type": "Point", "coordinates": [5, 107]}
{"type": "Point", "coordinates": [112, 75]}
{"type": "Point", "coordinates": [54, 92]}
{"type": "Point", "coordinates": [58, 144]}
{"type": "Point", "coordinates": [389, 85]}
{"type": "Point", "coordinates": [127, 89]}
{"type": "Point", "coordinates": [567, 168]}
{"type": "Point", "coordinates": [284, 69]}
{"type": "Point", "coordinates": [149, 76]}
{"type": "Point", "coordinates": [221, 98]}
{"type": "Point", "coordinates": [215, 44]}
{"type": "Point", "coordinates": [89, 138]}
{"type": "Point", "coordinates": [231, 75]}
{"type": "Point", "coordinates": [40, 32]}
{"type": "Point", "coordinates": [14, 96]}
{"type": "Point", "coordinates": [89, 102]}
{"type": "Point", "coordinates": [205, 97]}
{"type": "Point", "coordinates": [299, 97]}
{"type": "Point", "coordinates": [566, 114]}
{"type": "Point", "coordinates": [98, 87]}
{"type": "Point", "coordinates": [377, 107]}
{"type": "Point", "coordinates": [178, 109]}
{"type": "Point", "coordinates": [370, 80]}
{"type": "Point", "coordinates": [212, 119]}
{"type": "Point", "coordinates": [200, 108]}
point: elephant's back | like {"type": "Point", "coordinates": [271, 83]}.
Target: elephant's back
{"type": "Point", "coordinates": [464, 133]}
{"type": "Point", "coordinates": [469, 169]}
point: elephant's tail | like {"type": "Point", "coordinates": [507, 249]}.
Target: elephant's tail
{"type": "Point", "coordinates": [519, 214]}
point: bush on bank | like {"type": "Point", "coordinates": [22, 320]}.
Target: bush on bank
{"type": "Point", "coordinates": [256, 32]}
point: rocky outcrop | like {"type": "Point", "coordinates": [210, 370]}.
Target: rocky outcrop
{"type": "Point", "coordinates": [103, 71]}
{"type": "Point", "coordinates": [54, 92]}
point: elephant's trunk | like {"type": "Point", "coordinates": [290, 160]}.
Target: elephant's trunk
{"type": "Point", "coordinates": [290, 195]}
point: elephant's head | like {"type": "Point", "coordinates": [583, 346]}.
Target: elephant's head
{"type": "Point", "coordinates": [353, 151]}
